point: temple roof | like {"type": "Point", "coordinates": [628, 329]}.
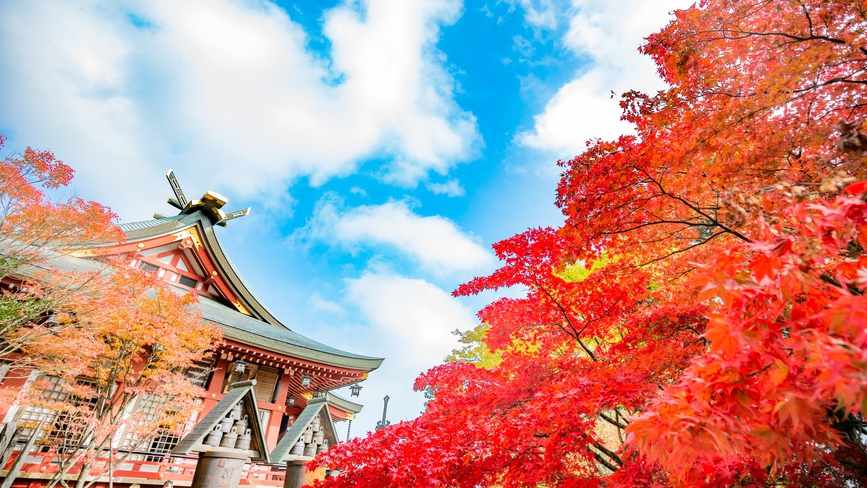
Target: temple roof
{"type": "Point", "coordinates": [280, 339]}
{"type": "Point", "coordinates": [139, 231]}
{"type": "Point", "coordinates": [236, 325]}
{"type": "Point", "coordinates": [343, 403]}
{"type": "Point", "coordinates": [259, 327]}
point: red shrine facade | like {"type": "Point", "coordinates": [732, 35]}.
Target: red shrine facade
{"type": "Point", "coordinates": [289, 370]}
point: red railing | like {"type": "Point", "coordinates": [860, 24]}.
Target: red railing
{"type": "Point", "coordinates": [39, 467]}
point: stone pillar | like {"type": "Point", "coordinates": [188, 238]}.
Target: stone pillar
{"type": "Point", "coordinates": [219, 469]}
{"type": "Point", "coordinates": [295, 474]}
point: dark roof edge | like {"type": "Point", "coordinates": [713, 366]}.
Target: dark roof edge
{"type": "Point", "coordinates": [336, 360]}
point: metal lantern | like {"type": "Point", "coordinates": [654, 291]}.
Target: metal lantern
{"type": "Point", "coordinates": [305, 380]}
{"type": "Point", "coordinates": [318, 393]}
{"type": "Point", "coordinates": [355, 390]}
{"type": "Point", "coordinates": [290, 401]}
{"type": "Point", "coordinates": [240, 366]}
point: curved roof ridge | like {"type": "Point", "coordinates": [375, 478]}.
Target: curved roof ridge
{"type": "Point", "coordinates": [244, 282]}
{"type": "Point", "coordinates": [265, 329]}
{"type": "Point", "coordinates": [166, 225]}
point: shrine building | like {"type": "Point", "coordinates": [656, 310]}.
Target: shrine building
{"type": "Point", "coordinates": [294, 375]}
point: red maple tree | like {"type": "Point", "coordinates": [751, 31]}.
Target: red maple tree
{"type": "Point", "coordinates": [719, 334]}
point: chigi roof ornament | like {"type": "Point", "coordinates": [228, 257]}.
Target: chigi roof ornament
{"type": "Point", "coordinates": [210, 204]}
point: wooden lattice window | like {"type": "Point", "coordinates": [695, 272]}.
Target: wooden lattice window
{"type": "Point", "coordinates": [29, 417]}
{"type": "Point", "coordinates": [266, 383]}
{"type": "Point", "coordinates": [162, 444]}
{"type": "Point", "coordinates": [148, 407]}
{"type": "Point", "coordinates": [61, 428]}
{"type": "Point", "coordinates": [68, 427]}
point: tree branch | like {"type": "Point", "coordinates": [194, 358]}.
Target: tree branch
{"type": "Point", "coordinates": [611, 421]}
{"type": "Point", "coordinates": [568, 320]}
{"type": "Point", "coordinates": [604, 450]}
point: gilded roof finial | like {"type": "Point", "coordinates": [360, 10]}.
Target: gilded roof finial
{"type": "Point", "coordinates": [210, 204]}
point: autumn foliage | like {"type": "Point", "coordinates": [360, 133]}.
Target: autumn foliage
{"type": "Point", "coordinates": [117, 340]}
{"type": "Point", "coordinates": [128, 344]}
{"type": "Point", "coordinates": [31, 222]}
{"type": "Point", "coordinates": [33, 227]}
{"type": "Point", "coordinates": [720, 327]}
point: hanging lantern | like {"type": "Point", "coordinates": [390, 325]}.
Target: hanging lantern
{"type": "Point", "coordinates": [355, 390]}
{"type": "Point", "coordinates": [290, 401]}
{"type": "Point", "coordinates": [240, 367]}
{"type": "Point", "coordinates": [318, 393]}
{"type": "Point", "coordinates": [305, 380]}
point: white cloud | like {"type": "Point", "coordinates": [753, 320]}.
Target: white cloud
{"type": "Point", "coordinates": [580, 110]}
{"type": "Point", "coordinates": [230, 85]}
{"type": "Point", "coordinates": [437, 243]}
{"type": "Point", "coordinates": [583, 108]}
{"type": "Point", "coordinates": [318, 302]}
{"type": "Point", "coordinates": [410, 323]}
{"type": "Point", "coordinates": [538, 13]}
{"type": "Point", "coordinates": [451, 188]}
{"type": "Point", "coordinates": [413, 313]}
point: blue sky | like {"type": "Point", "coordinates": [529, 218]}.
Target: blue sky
{"type": "Point", "coordinates": [384, 145]}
